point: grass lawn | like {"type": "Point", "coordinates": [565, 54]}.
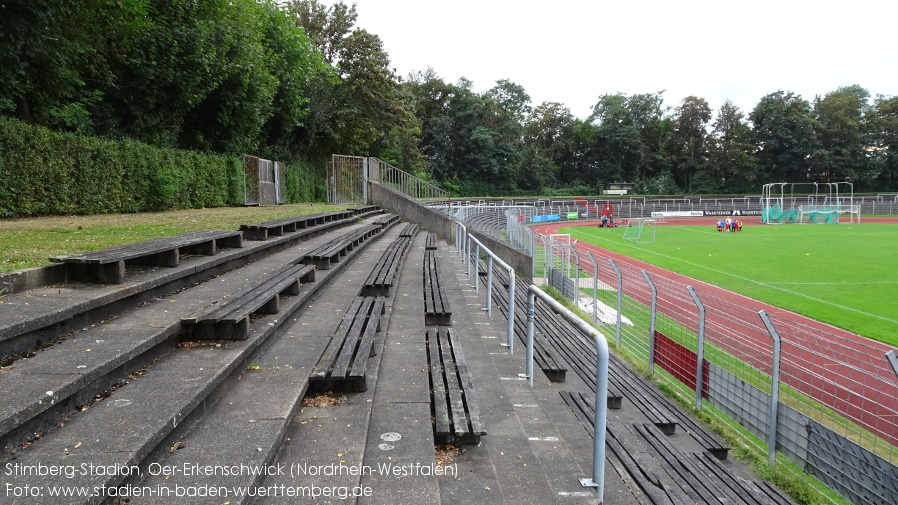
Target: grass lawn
{"type": "Point", "coordinates": [29, 242]}
{"type": "Point", "coordinates": [845, 274]}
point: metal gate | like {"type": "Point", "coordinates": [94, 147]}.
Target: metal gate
{"type": "Point", "coordinates": [264, 181]}
{"type": "Point", "coordinates": [346, 180]}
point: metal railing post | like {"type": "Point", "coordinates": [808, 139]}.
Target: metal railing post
{"type": "Point", "coordinates": [511, 288]}
{"type": "Point", "coordinates": [620, 289]}
{"type": "Point", "coordinates": [477, 268]}
{"type": "Point", "coordinates": [700, 365]}
{"type": "Point", "coordinates": [652, 321]}
{"type": "Point", "coordinates": [774, 387]}
{"type": "Point", "coordinates": [893, 359]}
{"type": "Point", "coordinates": [576, 276]}
{"type": "Point", "coordinates": [528, 360]}
{"type": "Point", "coordinates": [595, 289]}
{"type": "Point", "coordinates": [597, 480]}
{"type": "Point", "coordinates": [468, 256]}
{"type": "Point", "coordinates": [489, 286]}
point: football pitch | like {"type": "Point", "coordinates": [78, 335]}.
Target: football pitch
{"type": "Point", "coordinates": [845, 275]}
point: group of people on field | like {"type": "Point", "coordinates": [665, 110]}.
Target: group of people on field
{"type": "Point", "coordinates": [607, 222]}
{"type": "Point", "coordinates": [729, 225]}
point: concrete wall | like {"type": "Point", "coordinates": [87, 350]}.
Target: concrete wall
{"type": "Point", "coordinates": [22, 280]}
{"type": "Point", "coordinates": [439, 223]}
{"type": "Point", "coordinates": [522, 264]}
{"type": "Point", "coordinates": [411, 210]}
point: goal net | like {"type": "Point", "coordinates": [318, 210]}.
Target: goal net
{"type": "Point", "coordinates": [640, 230]}
{"type": "Point", "coordinates": [808, 202]}
{"type": "Point", "coordinates": [827, 214]}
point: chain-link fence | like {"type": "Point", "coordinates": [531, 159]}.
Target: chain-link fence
{"type": "Point", "coordinates": [825, 399]}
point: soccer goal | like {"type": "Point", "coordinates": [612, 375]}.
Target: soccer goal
{"type": "Point", "coordinates": [808, 202]}
{"type": "Point", "coordinates": [640, 230]}
{"type": "Point", "coordinates": [827, 214]}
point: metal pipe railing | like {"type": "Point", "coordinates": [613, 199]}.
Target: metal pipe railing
{"type": "Point", "coordinates": [511, 286]}
{"type": "Point", "coordinates": [774, 386]}
{"type": "Point", "coordinates": [601, 401]}
{"type": "Point", "coordinates": [489, 292]}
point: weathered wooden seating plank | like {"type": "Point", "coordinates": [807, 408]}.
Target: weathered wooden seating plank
{"type": "Point", "coordinates": [281, 226]}
{"type": "Point", "coordinates": [385, 272]}
{"type": "Point", "coordinates": [436, 302]}
{"type": "Point", "coordinates": [457, 416]}
{"type": "Point", "coordinates": [332, 251]}
{"type": "Point", "coordinates": [107, 266]}
{"type": "Point", "coordinates": [344, 360]}
{"type": "Point", "coordinates": [229, 320]}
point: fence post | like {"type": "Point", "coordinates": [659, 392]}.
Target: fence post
{"type": "Point", "coordinates": [576, 256]}
{"type": "Point", "coordinates": [511, 288]}
{"type": "Point", "coordinates": [546, 266]}
{"type": "Point", "coordinates": [700, 365]}
{"type": "Point", "coordinates": [652, 322]}
{"type": "Point", "coordinates": [620, 288]}
{"type": "Point", "coordinates": [477, 268]}
{"type": "Point", "coordinates": [597, 480]}
{"type": "Point", "coordinates": [595, 288]}
{"type": "Point", "coordinates": [468, 256]}
{"type": "Point", "coordinates": [531, 301]}
{"type": "Point", "coordinates": [489, 286]}
{"type": "Point", "coordinates": [774, 387]}
{"type": "Point", "coordinates": [893, 359]}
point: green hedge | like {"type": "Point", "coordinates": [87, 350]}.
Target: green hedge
{"type": "Point", "coordinates": [45, 172]}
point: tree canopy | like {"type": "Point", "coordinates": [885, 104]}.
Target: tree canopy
{"type": "Point", "coordinates": [299, 80]}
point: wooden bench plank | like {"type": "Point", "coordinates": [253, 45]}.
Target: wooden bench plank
{"type": "Point", "coordinates": [386, 221]}
{"type": "Point", "coordinates": [467, 387]}
{"type": "Point", "coordinates": [641, 476]}
{"type": "Point", "coordinates": [344, 358]}
{"type": "Point", "coordinates": [229, 320]}
{"type": "Point", "coordinates": [322, 368]}
{"type": "Point", "coordinates": [700, 477]}
{"type": "Point", "coordinates": [386, 270]}
{"type": "Point", "coordinates": [456, 403]}
{"type": "Point", "coordinates": [343, 363]}
{"type": "Point", "coordinates": [436, 301]}
{"type": "Point", "coordinates": [442, 428]}
{"type": "Point", "coordinates": [410, 230]}
{"type": "Point", "coordinates": [332, 251]}
{"type": "Point", "coordinates": [107, 266]}
{"type": "Point", "coordinates": [456, 414]}
{"type": "Point", "coordinates": [357, 377]}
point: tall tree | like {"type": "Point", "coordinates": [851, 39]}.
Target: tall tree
{"type": "Point", "coordinates": [784, 135]}
{"type": "Point", "coordinates": [842, 129]}
{"type": "Point", "coordinates": [55, 55]}
{"type": "Point", "coordinates": [885, 138]}
{"type": "Point", "coordinates": [550, 143]}
{"type": "Point", "coordinates": [648, 112]}
{"type": "Point", "coordinates": [362, 109]}
{"type": "Point", "coordinates": [732, 167]}
{"type": "Point", "coordinates": [688, 139]}
{"type": "Point", "coordinates": [618, 149]}
{"type": "Point", "coordinates": [293, 61]}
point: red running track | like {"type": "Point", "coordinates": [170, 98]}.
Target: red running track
{"type": "Point", "coordinates": [843, 371]}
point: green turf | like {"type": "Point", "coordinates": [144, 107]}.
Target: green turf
{"type": "Point", "coordinates": [842, 274]}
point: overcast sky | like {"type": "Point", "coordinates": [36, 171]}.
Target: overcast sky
{"type": "Point", "coordinates": [573, 51]}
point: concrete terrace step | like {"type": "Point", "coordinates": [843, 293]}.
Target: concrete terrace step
{"type": "Point", "coordinates": [84, 364]}
{"type": "Point", "coordinates": [141, 417]}
{"type": "Point", "coordinates": [32, 318]}
{"type": "Point", "coordinates": [532, 452]}
{"type": "Point", "coordinates": [251, 419]}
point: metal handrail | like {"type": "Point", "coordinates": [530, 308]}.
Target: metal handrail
{"type": "Point", "coordinates": [511, 281]}
{"type": "Point", "coordinates": [601, 402]}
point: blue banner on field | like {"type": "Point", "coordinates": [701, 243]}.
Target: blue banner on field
{"type": "Point", "coordinates": [546, 218]}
